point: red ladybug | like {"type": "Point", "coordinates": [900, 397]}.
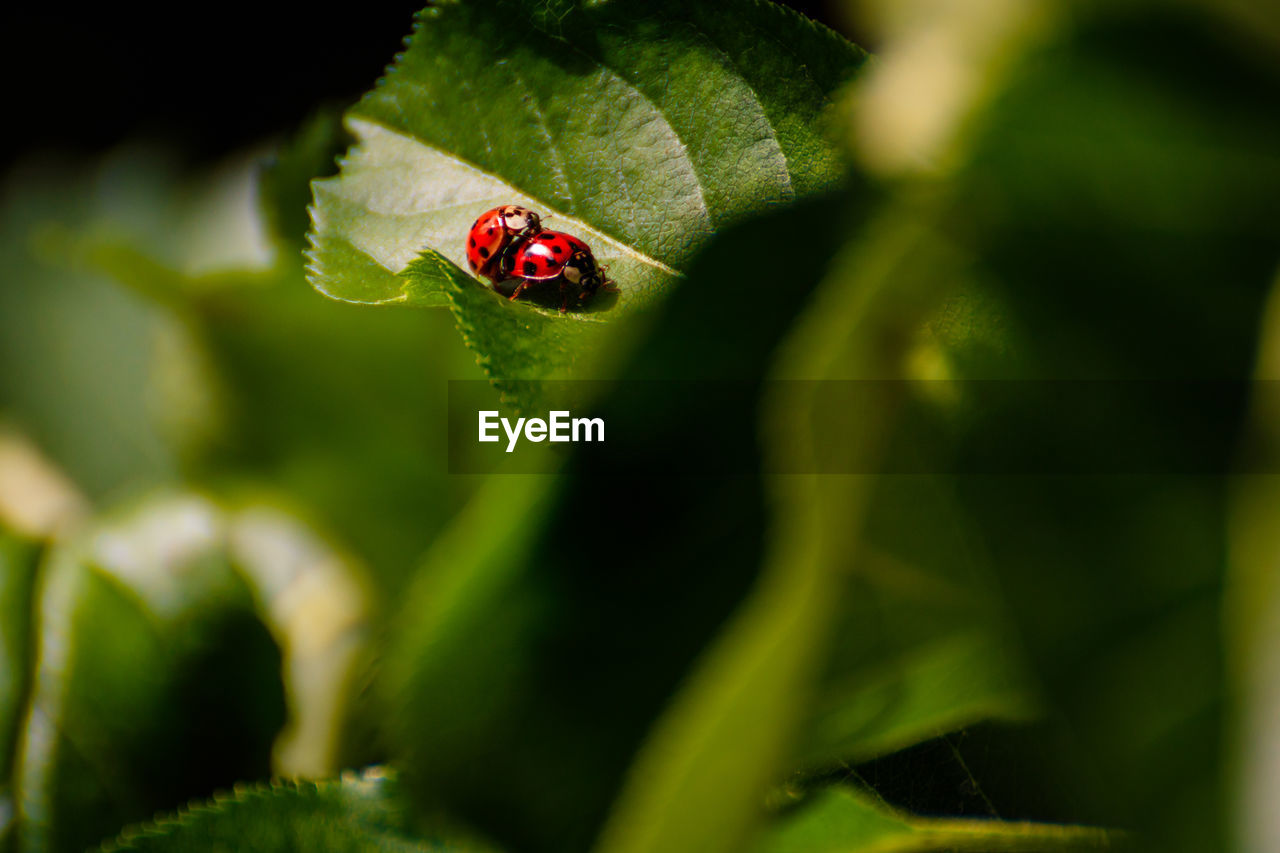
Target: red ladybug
{"type": "Point", "coordinates": [554, 255]}
{"type": "Point", "coordinates": [490, 245]}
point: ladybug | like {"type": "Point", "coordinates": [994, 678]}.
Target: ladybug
{"type": "Point", "coordinates": [555, 255]}
{"type": "Point", "coordinates": [493, 236]}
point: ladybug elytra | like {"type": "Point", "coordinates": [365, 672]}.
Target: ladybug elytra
{"type": "Point", "coordinates": [491, 241]}
{"type": "Point", "coordinates": [554, 255]}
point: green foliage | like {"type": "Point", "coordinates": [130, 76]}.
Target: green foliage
{"type": "Point", "coordinates": [699, 782]}
{"type": "Point", "coordinates": [18, 558]}
{"type": "Point", "coordinates": [640, 127]}
{"type": "Point", "coordinates": [838, 536]}
{"type": "Point", "coordinates": [192, 368]}
{"type": "Point", "coordinates": [355, 813]}
{"type": "Point", "coordinates": [154, 680]}
{"type": "Point", "coordinates": [518, 348]}
{"type": "Point", "coordinates": [839, 820]}
{"type": "Point", "coordinates": [1114, 583]}
{"type": "Point", "coordinates": [916, 646]}
{"type": "Point", "coordinates": [573, 680]}
{"type": "Point", "coordinates": [176, 643]}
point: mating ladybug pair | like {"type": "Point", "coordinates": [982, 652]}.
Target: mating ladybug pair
{"type": "Point", "coordinates": [508, 243]}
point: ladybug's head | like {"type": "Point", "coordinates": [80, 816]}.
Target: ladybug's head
{"type": "Point", "coordinates": [591, 281]}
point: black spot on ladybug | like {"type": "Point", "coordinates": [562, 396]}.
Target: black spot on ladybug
{"type": "Point", "coordinates": [473, 242]}
{"type": "Point", "coordinates": [529, 268]}
{"type": "Point", "coordinates": [558, 249]}
{"type": "Point", "coordinates": [473, 265]}
{"type": "Point", "coordinates": [489, 230]}
{"type": "Point", "coordinates": [484, 251]}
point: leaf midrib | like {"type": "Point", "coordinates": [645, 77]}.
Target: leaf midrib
{"type": "Point", "coordinates": [352, 123]}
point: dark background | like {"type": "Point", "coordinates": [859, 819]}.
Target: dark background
{"type": "Point", "coordinates": [208, 77]}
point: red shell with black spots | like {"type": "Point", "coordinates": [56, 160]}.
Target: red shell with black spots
{"type": "Point", "coordinates": [492, 234]}
{"type": "Point", "coordinates": [544, 256]}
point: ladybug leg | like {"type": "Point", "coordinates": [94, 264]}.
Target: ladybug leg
{"type": "Point", "coordinates": [524, 282]}
{"type": "Point", "coordinates": [564, 294]}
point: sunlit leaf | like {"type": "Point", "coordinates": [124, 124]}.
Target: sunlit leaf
{"type": "Point", "coordinates": [641, 127]}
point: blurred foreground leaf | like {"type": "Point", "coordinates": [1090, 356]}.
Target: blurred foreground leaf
{"type": "Point", "coordinates": [919, 643]}
{"type": "Point", "coordinates": [700, 779]}
{"type": "Point", "coordinates": [846, 821]}
{"type": "Point", "coordinates": [315, 602]}
{"type": "Point", "coordinates": [155, 682]}
{"type": "Point", "coordinates": [549, 630]}
{"type": "Point", "coordinates": [1252, 604]}
{"type": "Point", "coordinates": [18, 561]}
{"type": "Point", "coordinates": [175, 641]}
{"type": "Point", "coordinates": [1114, 217]}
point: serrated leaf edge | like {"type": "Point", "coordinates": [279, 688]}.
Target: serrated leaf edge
{"type": "Point", "coordinates": [167, 823]}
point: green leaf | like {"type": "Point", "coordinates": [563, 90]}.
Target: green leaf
{"type": "Point", "coordinates": [846, 821]}
{"type": "Point", "coordinates": [921, 643]}
{"type": "Point", "coordinates": [917, 644]}
{"type": "Point", "coordinates": [642, 127]}
{"type": "Point", "coordinates": [173, 638]}
{"type": "Point", "coordinates": [1251, 601]}
{"type": "Point", "coordinates": [1107, 183]}
{"type": "Point", "coordinates": [154, 680]}
{"type": "Point", "coordinates": [396, 198]}
{"type": "Point", "coordinates": [550, 628]}
{"type": "Point", "coordinates": [315, 602]}
{"type": "Point", "coordinates": [354, 813]}
{"type": "Point", "coordinates": [699, 781]}
{"type": "Point", "coordinates": [519, 349]}
{"type": "Point", "coordinates": [18, 561]}
{"type": "Point", "coordinates": [908, 694]}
